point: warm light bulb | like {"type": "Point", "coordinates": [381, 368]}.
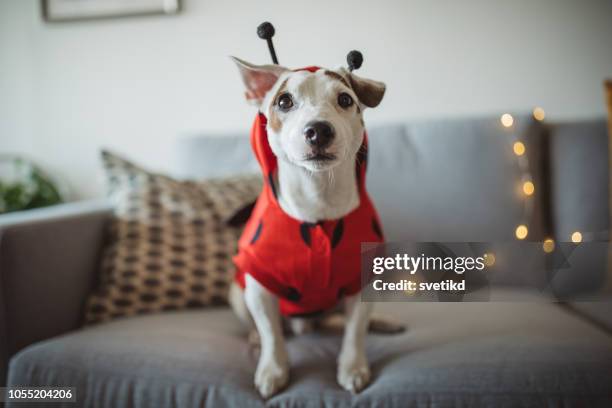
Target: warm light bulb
{"type": "Point", "coordinates": [489, 259]}
{"type": "Point", "coordinates": [507, 120]}
{"type": "Point", "coordinates": [410, 292]}
{"type": "Point", "coordinates": [521, 232]}
{"type": "Point", "coordinates": [519, 148]}
{"type": "Point", "coordinates": [538, 113]}
{"type": "Point", "coordinates": [548, 245]}
{"type": "Point", "coordinates": [528, 188]}
{"type": "Point", "coordinates": [576, 237]}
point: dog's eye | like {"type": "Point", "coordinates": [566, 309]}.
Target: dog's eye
{"type": "Point", "coordinates": [285, 102]}
{"type": "Point", "coordinates": [345, 100]}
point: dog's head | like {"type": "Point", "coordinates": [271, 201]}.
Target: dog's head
{"type": "Point", "coordinates": [314, 118]}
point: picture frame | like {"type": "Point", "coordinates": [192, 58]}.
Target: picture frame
{"type": "Point", "coordinates": [76, 10]}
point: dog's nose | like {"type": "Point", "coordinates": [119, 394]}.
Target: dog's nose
{"type": "Point", "coordinates": [319, 134]}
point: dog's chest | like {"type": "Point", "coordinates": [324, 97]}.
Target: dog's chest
{"type": "Point", "coordinates": [312, 198]}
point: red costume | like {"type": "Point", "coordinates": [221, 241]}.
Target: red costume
{"type": "Point", "coordinates": [308, 266]}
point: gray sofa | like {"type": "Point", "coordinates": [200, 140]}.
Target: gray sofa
{"type": "Point", "coordinates": [443, 180]}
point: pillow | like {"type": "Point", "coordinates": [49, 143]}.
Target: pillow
{"type": "Point", "coordinates": [168, 246]}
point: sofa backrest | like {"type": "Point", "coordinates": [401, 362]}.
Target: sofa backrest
{"type": "Point", "coordinates": [436, 180]}
{"type": "Point", "coordinates": [579, 177]}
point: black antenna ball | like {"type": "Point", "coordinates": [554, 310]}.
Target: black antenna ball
{"type": "Point", "coordinates": [354, 60]}
{"type": "Point", "coordinates": [265, 31]}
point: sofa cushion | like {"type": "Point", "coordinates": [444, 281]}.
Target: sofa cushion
{"type": "Point", "coordinates": [466, 354]}
{"type": "Point", "coordinates": [431, 180]}
{"type": "Point", "coordinates": [599, 311]}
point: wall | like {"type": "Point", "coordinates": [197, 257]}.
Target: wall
{"type": "Point", "coordinates": [137, 84]}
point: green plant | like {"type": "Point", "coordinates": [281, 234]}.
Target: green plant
{"type": "Point", "coordinates": [24, 186]}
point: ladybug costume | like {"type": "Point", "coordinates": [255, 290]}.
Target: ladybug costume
{"type": "Point", "coordinates": [308, 266]}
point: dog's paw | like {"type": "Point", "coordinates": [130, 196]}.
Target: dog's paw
{"type": "Point", "coordinates": [353, 374]}
{"type": "Point", "coordinates": [271, 376]}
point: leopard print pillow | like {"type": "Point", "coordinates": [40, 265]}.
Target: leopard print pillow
{"type": "Point", "coordinates": [169, 246]}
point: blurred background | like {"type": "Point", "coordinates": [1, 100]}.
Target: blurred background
{"type": "Point", "coordinates": [136, 85]}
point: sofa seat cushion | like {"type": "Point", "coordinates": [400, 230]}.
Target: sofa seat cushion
{"type": "Point", "coordinates": [454, 354]}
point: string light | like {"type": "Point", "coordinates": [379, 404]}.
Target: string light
{"type": "Point", "coordinates": [521, 231]}
{"type": "Point", "coordinates": [576, 237]}
{"type": "Point", "coordinates": [489, 259]}
{"type": "Point", "coordinates": [548, 245]}
{"type": "Point", "coordinates": [528, 188]}
{"type": "Point", "coordinates": [507, 120]}
{"type": "Point", "coordinates": [538, 113]}
{"type": "Point", "coordinates": [519, 148]}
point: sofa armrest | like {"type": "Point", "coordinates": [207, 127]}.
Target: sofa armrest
{"type": "Point", "coordinates": [48, 262]}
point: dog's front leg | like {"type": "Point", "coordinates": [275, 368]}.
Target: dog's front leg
{"type": "Point", "coordinates": [273, 367]}
{"type": "Point", "coordinates": [353, 367]}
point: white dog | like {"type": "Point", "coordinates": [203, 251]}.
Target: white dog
{"type": "Point", "coordinates": [315, 129]}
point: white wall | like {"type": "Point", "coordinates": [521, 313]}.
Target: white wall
{"type": "Point", "coordinates": [137, 84]}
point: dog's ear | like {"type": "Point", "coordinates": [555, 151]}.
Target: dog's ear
{"type": "Point", "coordinates": [369, 92]}
{"type": "Point", "coordinates": [258, 79]}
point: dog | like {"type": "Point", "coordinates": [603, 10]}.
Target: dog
{"type": "Point", "coordinates": [308, 137]}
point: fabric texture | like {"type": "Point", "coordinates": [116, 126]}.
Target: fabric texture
{"type": "Point", "coordinates": [453, 355]}
{"type": "Point", "coordinates": [168, 245]}
{"type": "Point", "coordinates": [309, 266]}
